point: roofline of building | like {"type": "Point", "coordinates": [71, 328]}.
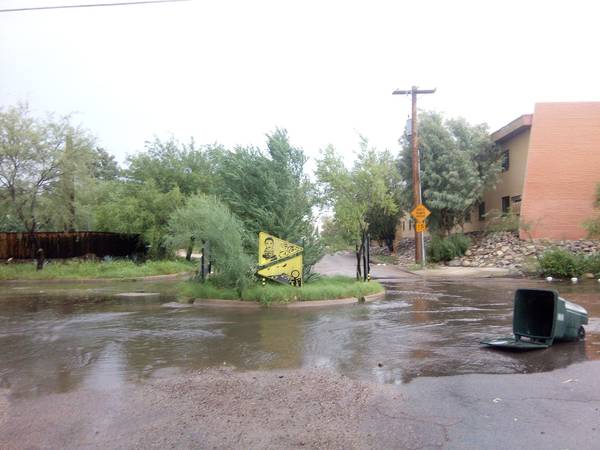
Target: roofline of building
{"type": "Point", "coordinates": [515, 127]}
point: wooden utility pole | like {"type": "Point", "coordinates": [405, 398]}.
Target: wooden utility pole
{"type": "Point", "coordinates": [416, 166]}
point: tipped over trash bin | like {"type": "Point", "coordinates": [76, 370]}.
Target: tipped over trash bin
{"type": "Point", "coordinates": [540, 317]}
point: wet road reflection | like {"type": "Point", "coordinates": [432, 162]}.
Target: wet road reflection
{"type": "Point", "coordinates": [56, 339]}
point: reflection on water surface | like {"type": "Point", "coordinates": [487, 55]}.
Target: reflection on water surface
{"type": "Point", "coordinates": [55, 338]}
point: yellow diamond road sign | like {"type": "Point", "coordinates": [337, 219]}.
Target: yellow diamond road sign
{"type": "Point", "coordinates": [420, 212]}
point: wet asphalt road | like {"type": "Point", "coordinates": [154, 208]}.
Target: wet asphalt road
{"type": "Point", "coordinates": [89, 369]}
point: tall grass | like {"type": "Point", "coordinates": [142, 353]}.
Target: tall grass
{"type": "Point", "coordinates": [324, 288]}
{"type": "Point", "coordinates": [89, 269]}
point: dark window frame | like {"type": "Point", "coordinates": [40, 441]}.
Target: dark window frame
{"type": "Point", "coordinates": [481, 212]}
{"type": "Point", "coordinates": [506, 204]}
{"type": "Point", "coordinates": [506, 160]}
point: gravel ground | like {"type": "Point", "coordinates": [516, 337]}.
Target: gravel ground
{"type": "Point", "coordinates": [210, 409]}
{"type": "Point", "coordinates": [314, 408]}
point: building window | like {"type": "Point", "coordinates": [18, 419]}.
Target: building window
{"type": "Point", "coordinates": [505, 160]}
{"type": "Point", "coordinates": [403, 225]}
{"type": "Point", "coordinates": [468, 216]}
{"type": "Point", "coordinates": [409, 225]}
{"type": "Point", "coordinates": [505, 205]}
{"type": "Point", "coordinates": [482, 211]}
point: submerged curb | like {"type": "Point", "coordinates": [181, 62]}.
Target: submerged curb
{"type": "Point", "coordinates": [169, 276]}
{"type": "Point", "coordinates": [254, 304]}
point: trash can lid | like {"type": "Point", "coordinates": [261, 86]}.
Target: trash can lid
{"type": "Point", "coordinates": [511, 343]}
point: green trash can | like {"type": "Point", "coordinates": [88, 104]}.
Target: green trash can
{"type": "Point", "coordinates": [540, 317]}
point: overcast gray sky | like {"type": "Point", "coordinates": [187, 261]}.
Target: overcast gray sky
{"type": "Point", "coordinates": [230, 71]}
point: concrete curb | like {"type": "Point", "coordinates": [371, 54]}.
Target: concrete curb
{"type": "Point", "coordinates": [170, 276]}
{"type": "Point", "coordinates": [447, 273]}
{"type": "Point", "coordinates": [218, 303]}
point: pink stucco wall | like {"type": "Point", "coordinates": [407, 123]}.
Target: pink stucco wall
{"type": "Point", "coordinates": [563, 170]}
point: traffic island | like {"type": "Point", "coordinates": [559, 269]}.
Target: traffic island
{"type": "Point", "coordinates": [324, 291]}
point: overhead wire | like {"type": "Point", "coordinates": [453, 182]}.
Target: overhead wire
{"type": "Point", "coordinates": [91, 5]}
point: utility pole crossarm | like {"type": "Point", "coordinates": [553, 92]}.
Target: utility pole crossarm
{"type": "Point", "coordinates": [416, 91]}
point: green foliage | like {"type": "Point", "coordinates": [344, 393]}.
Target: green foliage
{"type": "Point", "coordinates": [382, 226]}
{"type": "Point", "coordinates": [447, 248]}
{"type": "Point", "coordinates": [73, 269]}
{"type": "Point", "coordinates": [137, 208]}
{"type": "Point", "coordinates": [323, 288]}
{"type": "Point", "coordinates": [103, 165]}
{"type": "Point", "coordinates": [270, 192]}
{"type": "Point", "coordinates": [208, 219]}
{"type": "Point", "coordinates": [171, 164]}
{"type": "Point", "coordinates": [333, 237]}
{"type": "Point", "coordinates": [562, 264]}
{"type": "Point", "coordinates": [365, 195]}
{"type": "Point", "coordinates": [593, 225]}
{"type": "Point", "coordinates": [501, 222]}
{"type": "Point", "coordinates": [593, 264]}
{"type": "Point", "coordinates": [41, 162]}
{"type": "Point", "coordinates": [458, 162]}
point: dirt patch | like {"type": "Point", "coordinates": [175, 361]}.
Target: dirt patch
{"type": "Point", "coordinates": [208, 409]}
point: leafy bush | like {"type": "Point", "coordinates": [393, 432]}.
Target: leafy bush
{"type": "Point", "coordinates": [207, 219]}
{"type": "Point", "coordinates": [460, 242]}
{"type": "Point", "coordinates": [562, 264]}
{"type": "Point", "coordinates": [445, 249]}
{"type": "Point", "coordinates": [593, 264]}
{"type": "Point", "coordinates": [501, 222]}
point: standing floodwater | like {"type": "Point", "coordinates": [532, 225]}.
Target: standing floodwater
{"type": "Point", "coordinates": [56, 338]}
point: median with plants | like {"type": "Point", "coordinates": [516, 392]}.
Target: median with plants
{"type": "Point", "coordinates": [321, 288]}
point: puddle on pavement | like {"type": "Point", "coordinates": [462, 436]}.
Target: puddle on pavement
{"type": "Point", "coordinates": [55, 338]}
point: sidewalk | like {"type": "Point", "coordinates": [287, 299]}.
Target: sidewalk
{"type": "Point", "coordinates": [453, 273]}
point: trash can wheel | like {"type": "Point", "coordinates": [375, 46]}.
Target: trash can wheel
{"type": "Point", "coordinates": [581, 333]}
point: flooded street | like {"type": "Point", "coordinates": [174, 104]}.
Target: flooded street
{"type": "Point", "coordinates": [122, 365]}
{"type": "Point", "coordinates": [56, 338]}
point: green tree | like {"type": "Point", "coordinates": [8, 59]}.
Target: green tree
{"type": "Point", "coordinates": [169, 164]}
{"type": "Point", "coordinates": [137, 208]}
{"type": "Point", "coordinates": [208, 219]}
{"type": "Point", "coordinates": [103, 165]}
{"type": "Point", "coordinates": [458, 163]}
{"type": "Point", "coordinates": [355, 195]}
{"type": "Point", "coordinates": [269, 191]}
{"type": "Point", "coordinates": [39, 160]}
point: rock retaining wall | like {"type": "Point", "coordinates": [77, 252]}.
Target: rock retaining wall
{"type": "Point", "coordinates": [502, 249]}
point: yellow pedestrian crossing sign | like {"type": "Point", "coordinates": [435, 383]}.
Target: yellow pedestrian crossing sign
{"type": "Point", "coordinates": [279, 260]}
{"type": "Point", "coordinates": [420, 213]}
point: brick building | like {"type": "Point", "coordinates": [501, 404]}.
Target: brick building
{"type": "Point", "coordinates": [550, 172]}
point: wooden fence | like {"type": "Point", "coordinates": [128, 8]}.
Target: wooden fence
{"type": "Point", "coordinates": [69, 244]}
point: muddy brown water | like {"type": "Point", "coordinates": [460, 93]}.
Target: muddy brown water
{"type": "Point", "coordinates": [57, 338]}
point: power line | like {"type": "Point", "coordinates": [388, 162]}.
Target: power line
{"type": "Point", "coordinates": [92, 5]}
